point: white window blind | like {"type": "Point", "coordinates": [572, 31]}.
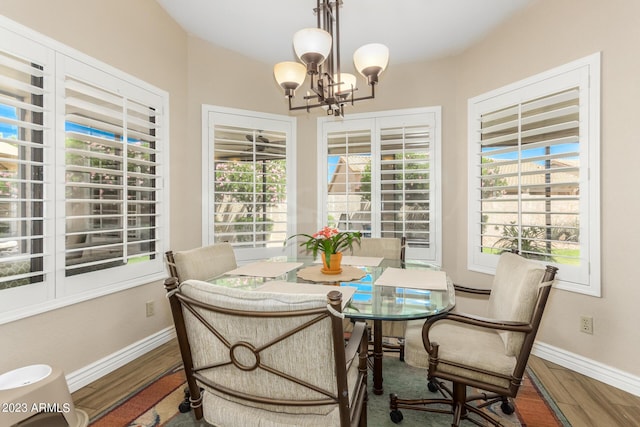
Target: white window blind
{"type": "Point", "coordinates": [531, 191]}
{"type": "Point", "coordinates": [530, 178]}
{"type": "Point", "coordinates": [111, 179]}
{"type": "Point", "coordinates": [250, 192]}
{"type": "Point", "coordinates": [25, 86]}
{"type": "Point", "coordinates": [349, 188]}
{"type": "Point", "coordinates": [250, 186]}
{"type": "Point", "coordinates": [83, 211]}
{"type": "Point", "coordinates": [382, 177]}
{"type": "Point", "coordinates": [405, 184]}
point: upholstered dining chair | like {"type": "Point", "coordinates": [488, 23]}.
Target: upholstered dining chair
{"type": "Point", "coordinates": [386, 247]}
{"type": "Point", "coordinates": [201, 263]}
{"type": "Point", "coordinates": [489, 353]}
{"type": "Point", "coordinates": [391, 248]}
{"type": "Point", "coordinates": [275, 357]}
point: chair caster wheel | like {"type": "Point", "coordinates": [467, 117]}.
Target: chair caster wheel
{"type": "Point", "coordinates": [432, 387]}
{"type": "Point", "coordinates": [184, 407]}
{"type": "Point", "coordinates": [507, 408]}
{"type": "Point", "coordinates": [396, 416]}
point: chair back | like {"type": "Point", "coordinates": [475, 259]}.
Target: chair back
{"type": "Point", "coordinates": [201, 263]}
{"type": "Point", "coordinates": [514, 295]}
{"type": "Point", "coordinates": [280, 353]}
{"type": "Point", "coordinates": [385, 247]}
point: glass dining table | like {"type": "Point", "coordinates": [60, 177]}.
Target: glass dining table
{"type": "Point", "coordinates": [370, 301]}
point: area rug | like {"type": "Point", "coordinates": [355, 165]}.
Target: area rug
{"type": "Point", "coordinates": [157, 403]}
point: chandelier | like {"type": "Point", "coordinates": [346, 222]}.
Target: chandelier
{"type": "Point", "coordinates": [319, 50]}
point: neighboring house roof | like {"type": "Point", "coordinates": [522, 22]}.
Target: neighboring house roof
{"type": "Point", "coordinates": [351, 166]}
{"type": "Point", "coordinates": [533, 174]}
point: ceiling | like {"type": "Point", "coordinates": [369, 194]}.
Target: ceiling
{"type": "Point", "coordinates": [413, 30]}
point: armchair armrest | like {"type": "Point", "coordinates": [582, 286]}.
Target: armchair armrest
{"type": "Point", "coordinates": [483, 322]}
{"type": "Point", "coordinates": [357, 335]}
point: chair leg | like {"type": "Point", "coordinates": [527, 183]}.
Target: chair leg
{"type": "Point", "coordinates": [459, 397]}
{"type": "Point", "coordinates": [459, 408]}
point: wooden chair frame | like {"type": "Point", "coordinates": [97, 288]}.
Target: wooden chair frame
{"type": "Point", "coordinates": [171, 264]}
{"type": "Point", "coordinates": [350, 415]}
{"type": "Point", "coordinates": [457, 397]}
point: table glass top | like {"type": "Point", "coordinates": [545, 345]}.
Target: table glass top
{"type": "Point", "coordinates": [370, 301]}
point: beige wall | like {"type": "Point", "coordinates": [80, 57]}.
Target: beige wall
{"type": "Point", "coordinates": [549, 34]}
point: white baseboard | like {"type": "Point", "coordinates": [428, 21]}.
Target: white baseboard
{"type": "Point", "coordinates": [590, 368]}
{"type": "Point", "coordinates": [102, 367]}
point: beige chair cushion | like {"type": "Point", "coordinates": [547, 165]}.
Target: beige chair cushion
{"type": "Point", "coordinates": [514, 294]}
{"type": "Point", "coordinates": [386, 247]}
{"type": "Point", "coordinates": [205, 262]}
{"type": "Point", "coordinates": [313, 363]}
{"type": "Point", "coordinates": [464, 344]}
{"type": "Point", "coordinates": [414, 351]}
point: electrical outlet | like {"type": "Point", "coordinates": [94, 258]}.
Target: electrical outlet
{"type": "Point", "coordinates": [586, 324]}
{"type": "Point", "coordinates": [151, 310]}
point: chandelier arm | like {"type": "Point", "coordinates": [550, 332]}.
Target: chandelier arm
{"type": "Point", "coordinates": [304, 107]}
{"type": "Point", "coordinates": [352, 99]}
{"type": "Point", "coordinates": [337, 51]}
{"type": "Point", "coordinates": [312, 85]}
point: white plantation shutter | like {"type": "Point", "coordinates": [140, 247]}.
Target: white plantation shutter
{"type": "Point", "coordinates": [381, 177]}
{"type": "Point", "coordinates": [349, 191]}
{"type": "Point", "coordinates": [405, 185]}
{"type": "Point", "coordinates": [83, 211]}
{"type": "Point", "coordinates": [530, 178]}
{"type": "Point", "coordinates": [530, 188]}
{"type": "Point", "coordinates": [25, 138]}
{"type": "Point", "coordinates": [94, 179]}
{"type": "Point", "coordinates": [111, 173]}
{"type": "Point", "coordinates": [250, 186]}
{"type": "Point", "coordinates": [249, 182]}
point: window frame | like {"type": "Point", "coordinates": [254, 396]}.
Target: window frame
{"type": "Point", "coordinates": [56, 290]}
{"type": "Point", "coordinates": [212, 114]}
{"type": "Point", "coordinates": [375, 122]}
{"type": "Point", "coordinates": [583, 73]}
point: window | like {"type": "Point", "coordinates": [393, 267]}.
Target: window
{"type": "Point", "coordinates": [533, 182]}
{"type": "Point", "coordinates": [249, 176]}
{"type": "Point", "coordinates": [81, 167]}
{"type": "Point", "coordinates": [381, 177]}
{"type": "Point", "coordinates": [25, 86]}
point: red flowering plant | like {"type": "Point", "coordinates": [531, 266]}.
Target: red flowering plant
{"type": "Point", "coordinates": [329, 240]}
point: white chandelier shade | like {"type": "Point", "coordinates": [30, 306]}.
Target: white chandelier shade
{"type": "Point", "coordinates": [289, 75]}
{"type": "Point", "coordinates": [312, 45]}
{"type": "Point", "coordinates": [371, 60]}
{"type": "Point", "coordinates": [346, 83]}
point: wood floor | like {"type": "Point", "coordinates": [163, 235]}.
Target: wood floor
{"type": "Point", "coordinates": [584, 402]}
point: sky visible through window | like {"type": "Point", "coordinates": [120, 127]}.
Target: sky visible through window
{"type": "Point", "coordinates": [7, 130]}
{"type": "Point", "coordinates": [536, 152]}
